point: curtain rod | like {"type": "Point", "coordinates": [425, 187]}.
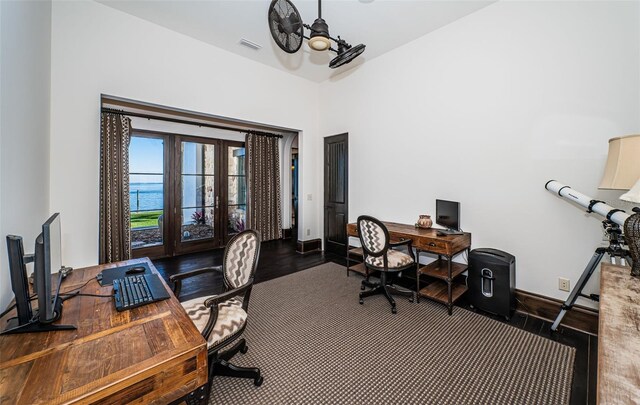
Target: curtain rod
{"type": "Point", "coordinates": [179, 121]}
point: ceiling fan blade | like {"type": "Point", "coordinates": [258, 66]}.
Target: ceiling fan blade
{"type": "Point", "coordinates": [285, 21]}
{"type": "Point", "coordinates": [347, 56]}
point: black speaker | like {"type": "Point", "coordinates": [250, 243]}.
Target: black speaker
{"type": "Point", "coordinates": [492, 281]}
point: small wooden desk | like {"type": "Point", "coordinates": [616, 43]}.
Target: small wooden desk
{"type": "Point", "coordinates": [618, 336]}
{"type": "Point", "coordinates": [150, 354]}
{"type": "Point", "coordinates": [443, 289]}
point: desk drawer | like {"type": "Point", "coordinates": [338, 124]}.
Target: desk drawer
{"type": "Point", "coordinates": [434, 246]}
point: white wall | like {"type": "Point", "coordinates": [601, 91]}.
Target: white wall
{"type": "Point", "coordinates": [484, 111]}
{"type": "Point", "coordinates": [96, 49]}
{"type": "Point", "coordinates": [25, 83]}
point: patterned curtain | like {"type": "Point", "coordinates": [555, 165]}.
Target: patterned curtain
{"type": "Point", "coordinates": [263, 186]}
{"type": "Point", "coordinates": [115, 232]}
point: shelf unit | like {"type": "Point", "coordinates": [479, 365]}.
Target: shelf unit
{"type": "Point", "coordinates": [355, 255]}
{"type": "Point", "coordinates": [443, 289]}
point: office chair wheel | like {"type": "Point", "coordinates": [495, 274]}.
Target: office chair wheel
{"type": "Point", "coordinates": [258, 381]}
{"type": "Point", "coordinates": [244, 349]}
{"type": "Point", "coordinates": [362, 287]}
{"type": "Point", "coordinates": [394, 310]}
{"type": "Point", "coordinates": [361, 301]}
{"type": "Point", "coordinates": [411, 298]}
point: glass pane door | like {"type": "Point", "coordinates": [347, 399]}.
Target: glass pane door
{"type": "Point", "coordinates": [236, 190]}
{"type": "Point", "coordinates": [198, 193]}
{"type": "Point", "coordinates": [146, 192]}
{"type": "Point", "coordinates": [187, 194]}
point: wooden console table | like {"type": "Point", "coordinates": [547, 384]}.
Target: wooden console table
{"type": "Point", "coordinates": [443, 289]}
{"type": "Point", "coordinates": [618, 336]}
{"type": "Point", "coordinates": [151, 354]}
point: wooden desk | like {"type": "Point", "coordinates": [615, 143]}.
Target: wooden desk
{"type": "Point", "coordinates": [150, 354]}
{"type": "Point", "coordinates": [443, 289]}
{"type": "Point", "coordinates": [618, 336]}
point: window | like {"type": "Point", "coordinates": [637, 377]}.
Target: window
{"type": "Point", "coordinates": [236, 190]}
{"type": "Point", "coordinates": [146, 191]}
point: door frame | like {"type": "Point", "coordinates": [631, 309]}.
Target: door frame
{"type": "Point", "coordinates": [325, 189]}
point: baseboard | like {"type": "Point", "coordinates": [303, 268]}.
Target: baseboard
{"type": "Point", "coordinates": [308, 246]}
{"type": "Point", "coordinates": [580, 318]}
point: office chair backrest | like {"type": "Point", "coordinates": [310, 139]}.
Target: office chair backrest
{"type": "Point", "coordinates": [241, 258]}
{"type": "Point", "coordinates": [373, 235]}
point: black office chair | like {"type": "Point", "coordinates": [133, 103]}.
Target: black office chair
{"type": "Point", "coordinates": [378, 256]}
{"type": "Point", "coordinates": [222, 318]}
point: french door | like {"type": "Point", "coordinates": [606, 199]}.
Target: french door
{"type": "Point", "coordinates": [204, 202]}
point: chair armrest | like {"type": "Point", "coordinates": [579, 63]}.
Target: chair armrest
{"type": "Point", "coordinates": [401, 243]}
{"type": "Point", "coordinates": [176, 279]}
{"type": "Point", "coordinates": [216, 299]}
{"type": "Point", "coordinates": [187, 274]}
{"type": "Point", "coordinates": [406, 242]}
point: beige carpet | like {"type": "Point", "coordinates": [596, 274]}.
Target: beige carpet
{"type": "Point", "coordinates": [316, 345]}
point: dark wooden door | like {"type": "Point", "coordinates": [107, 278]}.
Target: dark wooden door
{"type": "Point", "coordinates": [336, 192]}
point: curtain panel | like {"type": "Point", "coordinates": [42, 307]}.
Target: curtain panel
{"type": "Point", "coordinates": [115, 214]}
{"type": "Point", "coordinates": [263, 186]}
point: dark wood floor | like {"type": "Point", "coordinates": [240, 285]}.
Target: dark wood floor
{"type": "Point", "coordinates": [278, 258]}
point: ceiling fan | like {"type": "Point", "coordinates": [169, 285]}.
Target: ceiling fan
{"type": "Point", "coordinates": [287, 30]}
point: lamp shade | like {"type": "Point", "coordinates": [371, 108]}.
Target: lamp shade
{"type": "Point", "coordinates": [623, 163]}
{"type": "Point", "coordinates": [319, 39]}
{"type": "Point", "coordinates": [633, 195]}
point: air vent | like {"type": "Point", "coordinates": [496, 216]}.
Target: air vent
{"type": "Point", "coordinates": [249, 44]}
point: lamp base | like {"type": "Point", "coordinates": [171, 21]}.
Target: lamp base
{"type": "Point", "coordinates": [632, 237]}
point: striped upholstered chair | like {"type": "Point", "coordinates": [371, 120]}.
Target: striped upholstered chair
{"type": "Point", "coordinates": [379, 257]}
{"type": "Point", "coordinates": [222, 318]}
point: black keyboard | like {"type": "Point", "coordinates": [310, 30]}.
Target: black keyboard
{"type": "Point", "coordinates": [137, 290]}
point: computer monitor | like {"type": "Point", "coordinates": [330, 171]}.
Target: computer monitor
{"type": "Point", "coordinates": [448, 214]}
{"type": "Point", "coordinates": [47, 259]}
{"type": "Point", "coordinates": [19, 280]}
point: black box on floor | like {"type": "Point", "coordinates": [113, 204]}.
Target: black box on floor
{"type": "Point", "coordinates": [492, 281]}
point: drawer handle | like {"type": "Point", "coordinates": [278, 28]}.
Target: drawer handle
{"type": "Point", "coordinates": [432, 244]}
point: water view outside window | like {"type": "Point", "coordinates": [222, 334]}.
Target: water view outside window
{"type": "Point", "coordinates": [199, 197]}
{"type": "Point", "coordinates": [236, 190]}
{"type": "Point", "coordinates": [146, 191]}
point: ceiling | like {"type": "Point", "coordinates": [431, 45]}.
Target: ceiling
{"type": "Point", "coordinates": [380, 25]}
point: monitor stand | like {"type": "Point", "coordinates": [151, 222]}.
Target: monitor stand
{"type": "Point", "coordinates": [14, 325]}
{"type": "Point", "coordinates": [446, 232]}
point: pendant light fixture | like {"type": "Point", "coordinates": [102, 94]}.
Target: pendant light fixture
{"type": "Point", "coordinates": [286, 28]}
{"type": "Point", "coordinates": [319, 40]}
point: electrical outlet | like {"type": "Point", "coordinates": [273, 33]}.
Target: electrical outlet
{"type": "Point", "coordinates": [309, 197]}
{"type": "Point", "coordinates": [308, 232]}
{"type": "Point", "coordinates": [564, 284]}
